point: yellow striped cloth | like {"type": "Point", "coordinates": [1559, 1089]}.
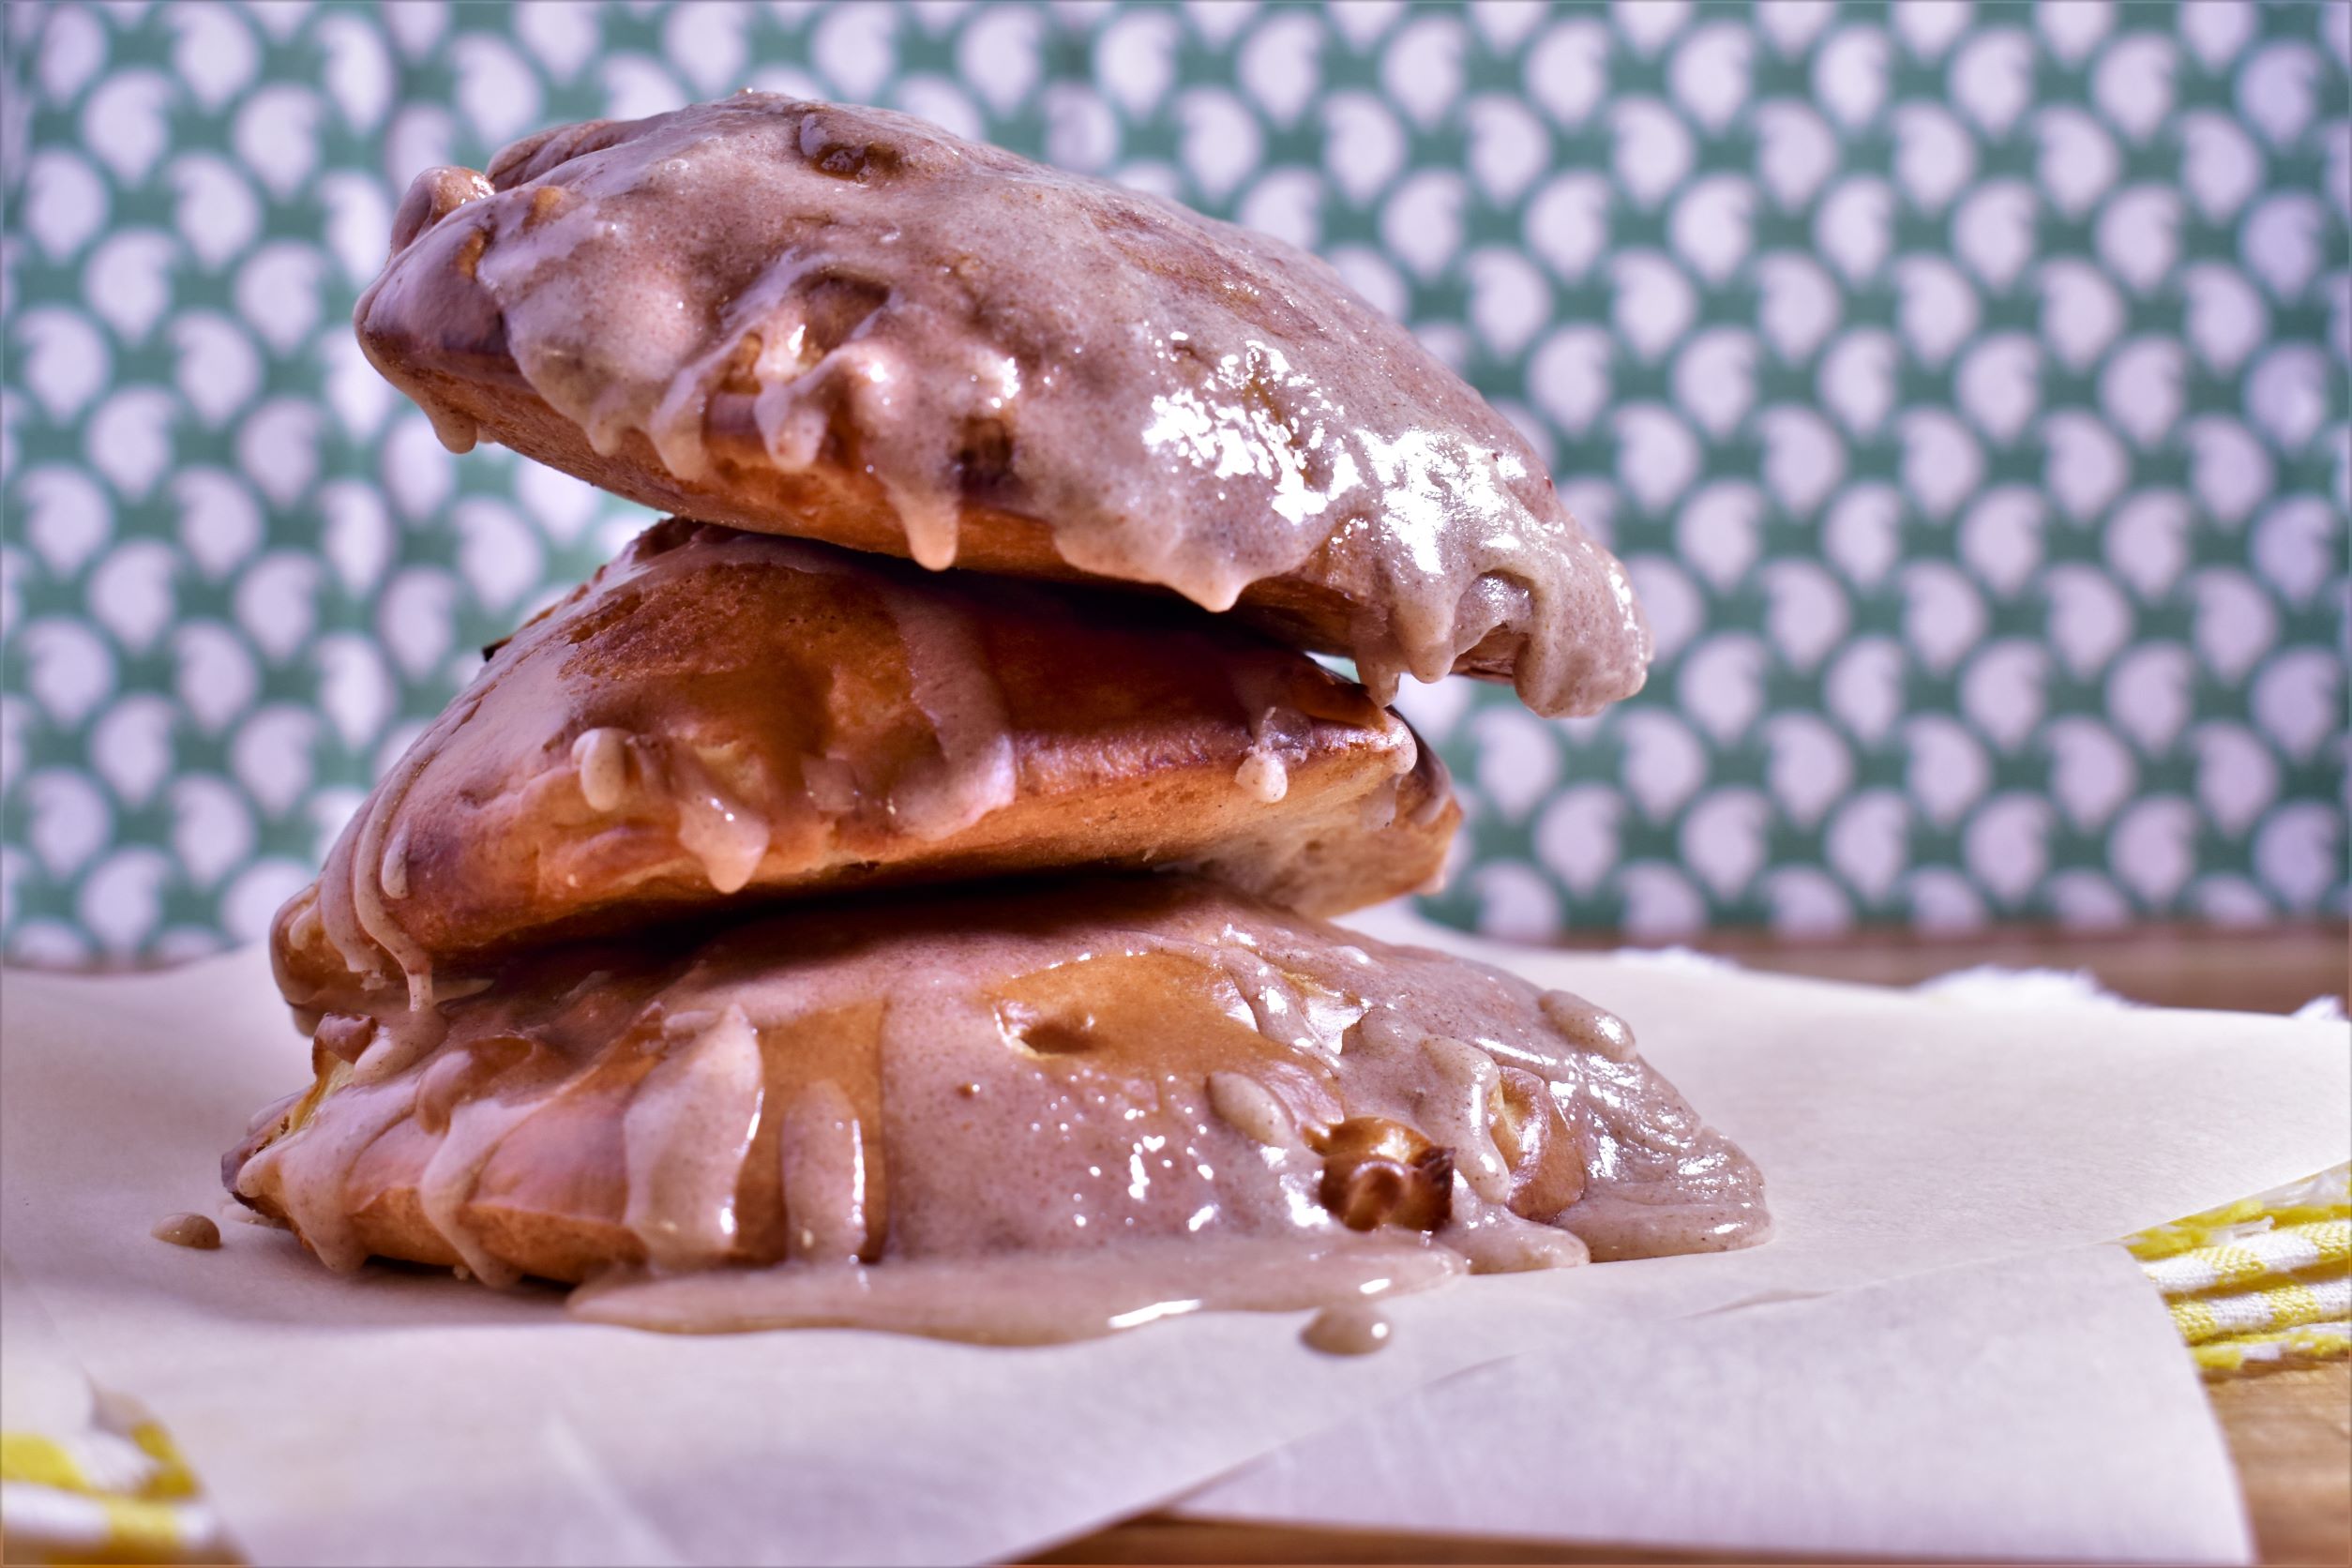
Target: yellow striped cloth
{"type": "Point", "coordinates": [117, 1493]}
{"type": "Point", "coordinates": [2260, 1284]}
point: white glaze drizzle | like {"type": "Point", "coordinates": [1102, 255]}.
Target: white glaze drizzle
{"type": "Point", "coordinates": [1263, 777]}
{"type": "Point", "coordinates": [1493, 1240]}
{"type": "Point", "coordinates": [476, 1126]}
{"type": "Point", "coordinates": [307, 1171]}
{"type": "Point", "coordinates": [1588, 1027]}
{"type": "Point", "coordinates": [475, 1130]}
{"type": "Point", "coordinates": [399, 1042]}
{"type": "Point", "coordinates": [1457, 1110]}
{"type": "Point", "coordinates": [952, 683]}
{"type": "Point", "coordinates": [352, 891]}
{"type": "Point", "coordinates": [392, 875]}
{"type": "Point", "coordinates": [726, 838]}
{"type": "Point", "coordinates": [955, 686]}
{"type": "Point", "coordinates": [601, 756]}
{"type": "Point", "coordinates": [823, 1147]}
{"type": "Point", "coordinates": [1254, 1111]}
{"type": "Point", "coordinates": [1279, 735]}
{"type": "Point", "coordinates": [832, 785]}
{"type": "Point", "coordinates": [686, 1132]}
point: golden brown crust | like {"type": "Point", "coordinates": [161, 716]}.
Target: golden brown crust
{"type": "Point", "coordinates": [857, 722]}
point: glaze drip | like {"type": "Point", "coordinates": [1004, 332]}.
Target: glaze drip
{"type": "Point", "coordinates": [304, 1174]}
{"type": "Point", "coordinates": [974, 772]}
{"type": "Point", "coordinates": [822, 1144]}
{"type": "Point", "coordinates": [687, 1133]}
{"type": "Point", "coordinates": [473, 1133]}
{"type": "Point", "coordinates": [1263, 777]}
{"type": "Point", "coordinates": [726, 837]}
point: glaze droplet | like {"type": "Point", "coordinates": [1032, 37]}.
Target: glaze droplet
{"type": "Point", "coordinates": [602, 758]}
{"type": "Point", "coordinates": [1263, 777]}
{"type": "Point", "coordinates": [191, 1231]}
{"type": "Point", "coordinates": [1354, 1330]}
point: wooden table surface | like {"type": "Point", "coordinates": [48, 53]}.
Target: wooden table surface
{"type": "Point", "coordinates": [2289, 1432]}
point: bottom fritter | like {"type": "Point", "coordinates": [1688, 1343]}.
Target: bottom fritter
{"type": "Point", "coordinates": [878, 1102]}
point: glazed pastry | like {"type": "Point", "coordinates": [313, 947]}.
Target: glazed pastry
{"type": "Point", "coordinates": [847, 325]}
{"type": "Point", "coordinates": [719, 717]}
{"type": "Point", "coordinates": [616, 979]}
{"type": "Point", "coordinates": [1076, 1077]}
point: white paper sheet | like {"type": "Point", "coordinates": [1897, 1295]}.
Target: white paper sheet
{"type": "Point", "coordinates": [42, 1389]}
{"type": "Point", "coordinates": [2037, 1408]}
{"type": "Point", "coordinates": [402, 1418]}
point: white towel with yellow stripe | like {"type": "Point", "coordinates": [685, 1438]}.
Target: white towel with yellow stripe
{"type": "Point", "coordinates": [113, 1495]}
{"type": "Point", "coordinates": [2261, 1284]}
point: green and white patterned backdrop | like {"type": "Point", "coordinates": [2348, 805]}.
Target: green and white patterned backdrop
{"type": "Point", "coordinates": [1965, 387]}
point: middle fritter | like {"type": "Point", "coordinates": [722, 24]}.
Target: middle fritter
{"type": "Point", "coordinates": [719, 714]}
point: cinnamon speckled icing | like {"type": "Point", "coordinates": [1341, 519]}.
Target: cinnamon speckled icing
{"type": "Point", "coordinates": [1182, 401]}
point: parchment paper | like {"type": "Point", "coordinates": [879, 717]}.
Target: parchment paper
{"type": "Point", "coordinates": [2036, 1407]}
{"type": "Point", "coordinates": [406, 1418]}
